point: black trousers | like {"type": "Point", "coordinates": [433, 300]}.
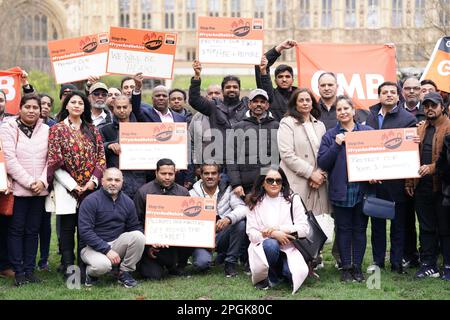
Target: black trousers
{"type": "Point", "coordinates": [69, 223]}
{"type": "Point", "coordinates": [4, 256]}
{"type": "Point", "coordinates": [410, 252]}
{"type": "Point", "coordinates": [166, 258]}
{"type": "Point", "coordinates": [434, 227]}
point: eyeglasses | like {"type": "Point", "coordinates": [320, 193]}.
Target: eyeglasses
{"type": "Point", "coordinates": [65, 93]}
{"type": "Point", "coordinates": [271, 181]}
{"type": "Point", "coordinates": [99, 94]}
{"type": "Point", "coordinates": [411, 88]}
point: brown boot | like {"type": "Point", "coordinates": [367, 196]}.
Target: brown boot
{"type": "Point", "coordinates": [8, 273]}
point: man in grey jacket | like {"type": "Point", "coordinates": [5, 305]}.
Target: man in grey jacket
{"type": "Point", "coordinates": [230, 226]}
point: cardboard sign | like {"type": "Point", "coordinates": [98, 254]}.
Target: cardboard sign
{"type": "Point", "coordinates": [382, 154]}
{"type": "Point", "coordinates": [3, 173]}
{"type": "Point", "coordinates": [143, 144]}
{"type": "Point", "coordinates": [11, 85]}
{"type": "Point", "coordinates": [180, 221]}
{"type": "Point", "coordinates": [438, 68]}
{"type": "Point", "coordinates": [150, 52]}
{"type": "Point", "coordinates": [230, 40]}
{"type": "Point", "coordinates": [360, 69]}
{"type": "Point", "coordinates": [78, 58]}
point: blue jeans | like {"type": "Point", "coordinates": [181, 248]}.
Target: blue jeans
{"type": "Point", "coordinates": [277, 260]}
{"type": "Point", "coordinates": [228, 242]}
{"type": "Point", "coordinates": [397, 234]}
{"type": "Point", "coordinates": [23, 233]}
{"type": "Point", "coordinates": [351, 225]}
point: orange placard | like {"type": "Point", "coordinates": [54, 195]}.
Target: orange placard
{"type": "Point", "coordinates": [134, 50]}
{"type": "Point", "coordinates": [143, 144]}
{"type": "Point", "coordinates": [10, 84]}
{"type": "Point", "coordinates": [360, 69]}
{"type": "Point", "coordinates": [230, 40]}
{"type": "Point", "coordinates": [180, 221]}
{"type": "Point", "coordinates": [438, 68]}
{"type": "Point", "coordinates": [76, 59]}
{"type": "Point", "coordinates": [382, 154]}
{"type": "Point", "coordinates": [3, 173]}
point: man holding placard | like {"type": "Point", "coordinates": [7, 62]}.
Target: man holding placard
{"type": "Point", "coordinates": [389, 115]}
{"type": "Point", "coordinates": [433, 218]}
{"type": "Point", "coordinates": [157, 257]}
{"type": "Point", "coordinates": [230, 225]}
{"type": "Point", "coordinates": [222, 114]}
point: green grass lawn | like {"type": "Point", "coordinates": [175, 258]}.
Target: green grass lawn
{"type": "Point", "coordinates": [215, 286]}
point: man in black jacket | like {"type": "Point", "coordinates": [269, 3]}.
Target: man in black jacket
{"type": "Point", "coordinates": [110, 233]}
{"type": "Point", "coordinates": [389, 115]}
{"type": "Point", "coordinates": [255, 144]}
{"type": "Point", "coordinates": [222, 114]}
{"type": "Point", "coordinates": [156, 257]}
{"type": "Point", "coordinates": [132, 179]}
{"type": "Point", "coordinates": [284, 78]}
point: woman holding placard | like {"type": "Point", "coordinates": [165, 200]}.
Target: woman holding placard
{"type": "Point", "coordinates": [76, 161]}
{"type": "Point", "coordinates": [25, 145]}
{"type": "Point", "coordinates": [346, 197]}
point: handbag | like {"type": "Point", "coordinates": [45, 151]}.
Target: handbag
{"type": "Point", "coordinates": [6, 204]}
{"type": "Point", "coordinates": [378, 208]}
{"type": "Point", "coordinates": [324, 219]}
{"type": "Point", "coordinates": [311, 245]}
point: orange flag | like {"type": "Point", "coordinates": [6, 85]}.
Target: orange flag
{"type": "Point", "coordinates": [438, 68]}
{"type": "Point", "coordinates": [360, 69]}
{"type": "Point", "coordinates": [10, 84]}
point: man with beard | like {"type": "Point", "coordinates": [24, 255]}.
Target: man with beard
{"type": "Point", "coordinates": [284, 78]}
{"type": "Point", "coordinates": [389, 115]}
{"type": "Point", "coordinates": [157, 257]}
{"type": "Point", "coordinates": [411, 93]}
{"type": "Point", "coordinates": [222, 114]}
{"type": "Point", "coordinates": [434, 226]}
{"type": "Point", "coordinates": [110, 233]}
{"type": "Point", "coordinates": [98, 93]}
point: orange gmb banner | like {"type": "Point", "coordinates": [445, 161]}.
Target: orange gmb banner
{"type": "Point", "coordinates": [382, 154]}
{"type": "Point", "coordinates": [134, 50]}
{"type": "Point", "coordinates": [360, 69]}
{"type": "Point", "coordinates": [180, 221]}
{"type": "Point", "coordinates": [11, 85]}
{"type": "Point", "coordinates": [438, 68]}
{"type": "Point", "coordinates": [76, 59]}
{"type": "Point", "coordinates": [3, 174]}
{"type": "Point", "coordinates": [230, 40]}
{"type": "Point", "coordinates": [142, 144]}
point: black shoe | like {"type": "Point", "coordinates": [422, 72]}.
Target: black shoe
{"type": "Point", "coordinates": [20, 280]}
{"type": "Point", "coordinates": [398, 268]}
{"type": "Point", "coordinates": [247, 270]}
{"type": "Point", "coordinates": [427, 271]}
{"type": "Point", "coordinates": [346, 275]}
{"type": "Point", "coordinates": [413, 263]}
{"type": "Point", "coordinates": [90, 280]}
{"type": "Point", "coordinates": [357, 274]}
{"type": "Point", "coordinates": [31, 278]}
{"type": "Point", "coordinates": [230, 269]}
{"type": "Point", "coordinates": [263, 285]}
{"type": "Point", "coordinates": [127, 280]}
{"type": "Point", "coordinates": [179, 272]}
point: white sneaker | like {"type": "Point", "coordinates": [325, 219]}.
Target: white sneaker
{"type": "Point", "coordinates": [319, 266]}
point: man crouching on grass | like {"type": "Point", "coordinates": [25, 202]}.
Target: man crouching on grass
{"type": "Point", "coordinates": [110, 233]}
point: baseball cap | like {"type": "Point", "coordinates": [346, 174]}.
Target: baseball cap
{"type": "Point", "coordinates": [98, 85]}
{"type": "Point", "coordinates": [433, 97]}
{"type": "Point", "coordinates": [258, 92]}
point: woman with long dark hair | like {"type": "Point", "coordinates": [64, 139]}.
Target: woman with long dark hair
{"type": "Point", "coordinates": [25, 144]}
{"type": "Point", "coordinates": [299, 138]}
{"type": "Point", "coordinates": [272, 256]}
{"type": "Point", "coordinates": [346, 197]}
{"type": "Point", "coordinates": [76, 162]}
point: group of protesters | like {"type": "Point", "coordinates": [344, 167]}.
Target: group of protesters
{"type": "Point", "coordinates": [266, 159]}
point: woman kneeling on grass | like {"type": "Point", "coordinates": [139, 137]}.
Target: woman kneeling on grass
{"type": "Point", "coordinates": [346, 197]}
{"type": "Point", "coordinates": [272, 255]}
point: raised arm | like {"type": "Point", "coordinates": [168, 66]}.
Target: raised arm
{"type": "Point", "coordinates": [196, 101]}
